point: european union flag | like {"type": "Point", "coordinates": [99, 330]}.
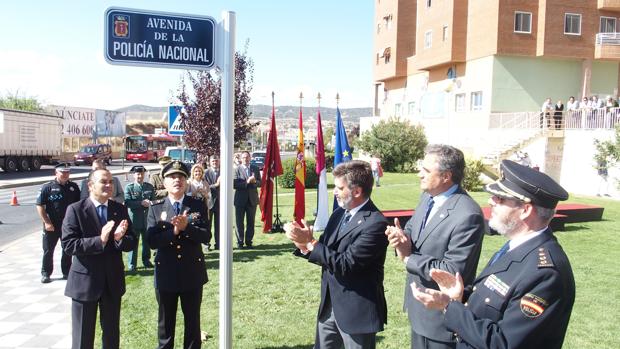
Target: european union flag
{"type": "Point", "coordinates": [342, 151]}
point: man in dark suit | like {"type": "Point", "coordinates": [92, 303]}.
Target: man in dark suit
{"type": "Point", "coordinates": [351, 252]}
{"type": "Point", "coordinates": [524, 296]}
{"type": "Point", "coordinates": [246, 181]}
{"type": "Point", "coordinates": [95, 231]}
{"type": "Point", "coordinates": [212, 176]}
{"type": "Point", "coordinates": [177, 228]}
{"type": "Point", "coordinates": [445, 233]}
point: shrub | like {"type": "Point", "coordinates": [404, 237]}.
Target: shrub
{"type": "Point", "coordinates": [398, 144]}
{"type": "Point", "coordinates": [473, 169]}
{"type": "Point", "coordinates": [287, 179]}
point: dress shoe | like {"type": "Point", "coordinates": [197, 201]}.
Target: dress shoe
{"type": "Point", "coordinates": [45, 279]}
{"type": "Point", "coordinates": [249, 247]}
{"type": "Point", "coordinates": [131, 269]}
{"type": "Point", "coordinates": [65, 276]}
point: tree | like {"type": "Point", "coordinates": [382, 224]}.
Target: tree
{"type": "Point", "coordinates": [608, 151]}
{"type": "Point", "coordinates": [202, 103]}
{"type": "Point", "coordinates": [398, 144]}
{"type": "Point", "coordinates": [17, 102]}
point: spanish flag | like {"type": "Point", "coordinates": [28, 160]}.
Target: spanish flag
{"type": "Point", "coordinates": [300, 176]}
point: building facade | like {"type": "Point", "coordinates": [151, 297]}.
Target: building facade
{"type": "Point", "coordinates": [456, 66]}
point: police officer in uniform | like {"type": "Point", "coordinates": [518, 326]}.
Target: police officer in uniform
{"type": "Point", "coordinates": [157, 179]}
{"type": "Point", "coordinates": [52, 202]}
{"type": "Point", "coordinates": [138, 198]}
{"type": "Point", "coordinates": [524, 296]}
{"type": "Point", "coordinates": [177, 228]}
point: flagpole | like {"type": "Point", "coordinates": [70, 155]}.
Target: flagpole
{"type": "Point", "coordinates": [277, 226]}
{"type": "Point", "coordinates": [316, 212]}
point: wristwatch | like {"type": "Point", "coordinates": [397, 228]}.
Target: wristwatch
{"type": "Point", "coordinates": [311, 244]}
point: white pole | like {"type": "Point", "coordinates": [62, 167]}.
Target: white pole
{"type": "Point", "coordinates": [226, 173]}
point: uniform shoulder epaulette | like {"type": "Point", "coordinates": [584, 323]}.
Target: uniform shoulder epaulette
{"type": "Point", "coordinates": [158, 202]}
{"type": "Point", "coordinates": [544, 258]}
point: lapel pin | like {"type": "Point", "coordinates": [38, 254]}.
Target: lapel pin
{"type": "Point", "coordinates": [442, 215]}
{"type": "Point", "coordinates": [163, 216]}
{"type": "Point", "coordinates": [359, 222]}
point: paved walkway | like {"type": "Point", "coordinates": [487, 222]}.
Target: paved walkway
{"type": "Point", "coordinates": [32, 314]}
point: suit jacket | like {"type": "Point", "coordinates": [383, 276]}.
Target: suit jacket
{"type": "Point", "coordinates": [352, 262]}
{"type": "Point", "coordinates": [246, 193]}
{"type": "Point", "coordinates": [523, 300]}
{"type": "Point", "coordinates": [179, 262]}
{"type": "Point", "coordinates": [94, 265]}
{"type": "Point", "coordinates": [451, 241]}
{"type": "Point", "coordinates": [211, 178]}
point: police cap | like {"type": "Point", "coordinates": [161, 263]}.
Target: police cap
{"type": "Point", "coordinates": [175, 167]}
{"type": "Point", "coordinates": [526, 184]}
{"type": "Point", "coordinates": [138, 169]}
{"type": "Point", "coordinates": [164, 160]}
{"type": "Point", "coordinates": [64, 167]}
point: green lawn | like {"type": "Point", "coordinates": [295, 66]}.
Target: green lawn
{"type": "Point", "coordinates": [276, 295]}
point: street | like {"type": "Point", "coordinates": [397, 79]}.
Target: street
{"type": "Point", "coordinates": [21, 220]}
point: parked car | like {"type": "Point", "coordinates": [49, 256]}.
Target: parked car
{"type": "Point", "coordinates": [175, 153]}
{"type": "Point", "coordinates": [92, 152]}
{"type": "Point", "coordinates": [258, 159]}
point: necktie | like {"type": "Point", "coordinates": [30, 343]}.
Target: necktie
{"type": "Point", "coordinates": [177, 208]}
{"type": "Point", "coordinates": [102, 213]}
{"type": "Point", "coordinates": [431, 203]}
{"type": "Point", "coordinates": [502, 251]}
{"type": "Point", "coordinates": [345, 219]}
{"type": "Point", "coordinates": [247, 171]}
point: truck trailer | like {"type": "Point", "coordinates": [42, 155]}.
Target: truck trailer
{"type": "Point", "coordinates": [29, 140]}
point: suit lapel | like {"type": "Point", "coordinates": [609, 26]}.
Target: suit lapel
{"type": "Point", "coordinates": [332, 227]}
{"type": "Point", "coordinates": [358, 219]}
{"type": "Point", "coordinates": [91, 211]}
{"type": "Point", "coordinates": [516, 255]}
{"type": "Point", "coordinates": [442, 213]}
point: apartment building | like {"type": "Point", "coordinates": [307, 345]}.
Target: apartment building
{"type": "Point", "coordinates": [455, 65]}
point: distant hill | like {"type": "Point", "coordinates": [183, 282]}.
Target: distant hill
{"type": "Point", "coordinates": [144, 112]}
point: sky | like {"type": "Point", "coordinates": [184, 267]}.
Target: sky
{"type": "Point", "coordinates": [53, 50]}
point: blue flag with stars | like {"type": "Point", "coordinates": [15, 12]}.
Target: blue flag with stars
{"type": "Point", "coordinates": [342, 151]}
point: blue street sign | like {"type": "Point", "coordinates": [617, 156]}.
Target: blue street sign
{"type": "Point", "coordinates": [150, 38]}
{"type": "Point", "coordinates": [174, 120]}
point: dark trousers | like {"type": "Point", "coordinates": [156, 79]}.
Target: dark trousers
{"type": "Point", "coordinates": [167, 317]}
{"type": "Point", "coordinates": [132, 256]}
{"type": "Point", "coordinates": [50, 239]}
{"type": "Point", "coordinates": [248, 211]}
{"type": "Point", "coordinates": [420, 342]}
{"type": "Point", "coordinates": [84, 318]}
{"type": "Point", "coordinates": [330, 336]}
{"type": "Point", "coordinates": [214, 220]}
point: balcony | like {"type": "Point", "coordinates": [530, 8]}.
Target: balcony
{"type": "Point", "coordinates": [607, 46]}
{"type": "Point", "coordinates": [610, 5]}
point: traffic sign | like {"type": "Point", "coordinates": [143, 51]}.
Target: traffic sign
{"type": "Point", "coordinates": [174, 121]}
{"type": "Point", "coordinates": [151, 38]}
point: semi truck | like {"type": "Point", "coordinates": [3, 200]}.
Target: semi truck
{"type": "Point", "coordinates": [29, 140]}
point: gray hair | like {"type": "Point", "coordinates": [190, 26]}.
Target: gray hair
{"type": "Point", "coordinates": [449, 159]}
{"type": "Point", "coordinates": [545, 214]}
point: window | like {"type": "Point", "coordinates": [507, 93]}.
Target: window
{"type": "Point", "coordinates": [378, 28]}
{"type": "Point", "coordinates": [451, 74]}
{"type": "Point", "coordinates": [397, 109]}
{"type": "Point", "coordinates": [476, 100]}
{"type": "Point", "coordinates": [523, 22]}
{"type": "Point", "coordinates": [459, 102]}
{"type": "Point", "coordinates": [387, 20]}
{"type": "Point", "coordinates": [572, 24]}
{"type": "Point", "coordinates": [428, 3]}
{"type": "Point", "coordinates": [386, 55]}
{"type": "Point", "coordinates": [444, 33]}
{"type": "Point", "coordinates": [428, 39]}
{"type": "Point", "coordinates": [411, 108]}
{"type": "Point", "coordinates": [608, 25]}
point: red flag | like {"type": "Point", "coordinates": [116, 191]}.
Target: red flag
{"type": "Point", "coordinates": [300, 176]}
{"type": "Point", "coordinates": [272, 169]}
